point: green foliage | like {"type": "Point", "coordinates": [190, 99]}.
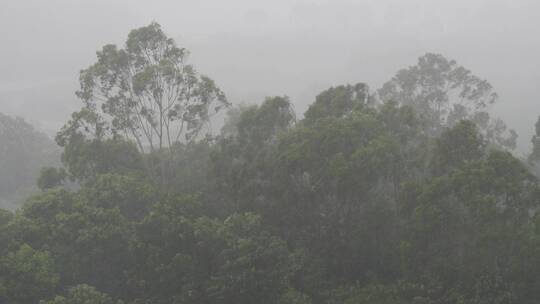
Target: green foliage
{"type": "Point", "coordinates": [379, 294]}
{"type": "Point", "coordinates": [535, 154]}
{"type": "Point", "coordinates": [82, 294]}
{"type": "Point", "coordinates": [198, 259]}
{"type": "Point", "coordinates": [292, 296]}
{"type": "Point", "coordinates": [242, 159]}
{"type": "Point", "coordinates": [130, 194]}
{"type": "Point", "coordinates": [86, 158]}
{"type": "Point", "coordinates": [50, 177]}
{"type": "Point", "coordinates": [142, 98]}
{"type": "Point", "coordinates": [338, 102]}
{"type": "Point", "coordinates": [457, 146]}
{"type": "Point", "coordinates": [183, 168]}
{"type": "Point", "coordinates": [146, 92]}
{"type": "Point", "coordinates": [254, 264]}
{"type": "Point", "coordinates": [444, 93]}
{"type": "Point", "coordinates": [91, 241]}
{"type": "Point", "coordinates": [5, 217]}
{"type": "Point", "coordinates": [258, 125]}
{"type": "Point", "coordinates": [26, 276]}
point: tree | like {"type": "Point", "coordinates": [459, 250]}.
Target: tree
{"type": "Point", "coordinates": [91, 240]}
{"type": "Point", "coordinates": [132, 195]}
{"type": "Point", "coordinates": [5, 217]}
{"type": "Point", "coordinates": [467, 227]}
{"type": "Point", "coordinates": [82, 294]}
{"type": "Point", "coordinates": [457, 146]}
{"type": "Point", "coordinates": [198, 259]}
{"type": "Point", "coordinates": [338, 101]}
{"type": "Point", "coordinates": [535, 154]}
{"type": "Point", "coordinates": [85, 158]}
{"type": "Point", "coordinates": [5, 238]}
{"type": "Point", "coordinates": [26, 276]}
{"type": "Point", "coordinates": [334, 182]}
{"type": "Point", "coordinates": [50, 177]}
{"type": "Point", "coordinates": [241, 160]}
{"type": "Point", "coordinates": [145, 92]}
{"type": "Point", "coordinates": [444, 93]}
{"type": "Point", "coordinates": [254, 265]}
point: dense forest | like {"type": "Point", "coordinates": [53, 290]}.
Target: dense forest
{"type": "Point", "coordinates": [409, 193]}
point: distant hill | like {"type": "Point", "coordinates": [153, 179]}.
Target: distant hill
{"type": "Point", "coordinates": [51, 104]}
{"type": "Point", "coordinates": [23, 151]}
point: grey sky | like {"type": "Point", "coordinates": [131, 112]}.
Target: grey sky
{"type": "Point", "coordinates": [255, 48]}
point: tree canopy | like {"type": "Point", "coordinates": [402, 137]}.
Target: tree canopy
{"type": "Point", "coordinates": [444, 93]}
{"type": "Point", "coordinates": [146, 92]}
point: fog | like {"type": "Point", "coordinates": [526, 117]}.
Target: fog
{"type": "Point", "coordinates": [258, 48]}
{"type": "Point", "coordinates": [316, 193]}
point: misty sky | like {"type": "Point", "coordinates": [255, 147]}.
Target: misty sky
{"type": "Point", "coordinates": [256, 48]}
